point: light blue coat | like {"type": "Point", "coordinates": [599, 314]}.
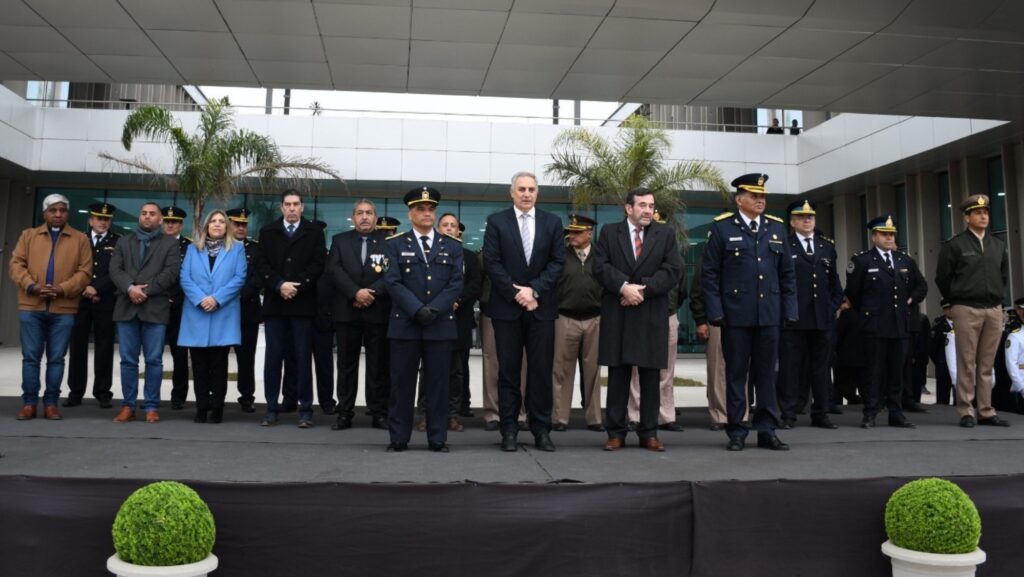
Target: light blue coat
{"type": "Point", "coordinates": [223, 326]}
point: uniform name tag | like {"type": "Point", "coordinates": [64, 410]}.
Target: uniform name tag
{"type": "Point", "coordinates": [794, 256]}
{"type": "Point", "coordinates": [904, 270]}
{"type": "Point", "coordinates": [872, 270]}
{"type": "Point", "coordinates": [408, 254]}
{"type": "Point", "coordinates": [774, 241]}
{"type": "Point", "coordinates": [735, 238]}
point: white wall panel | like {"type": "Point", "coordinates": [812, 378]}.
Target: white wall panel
{"type": "Point", "coordinates": [469, 136]}
{"type": "Point", "coordinates": [424, 134]}
{"type": "Point", "coordinates": [333, 132]}
{"type": "Point", "coordinates": [378, 164]}
{"type": "Point", "coordinates": [423, 166]}
{"type": "Point", "coordinates": [468, 167]}
{"type": "Point", "coordinates": [379, 133]}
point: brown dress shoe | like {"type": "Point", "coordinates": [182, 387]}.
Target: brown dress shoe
{"type": "Point", "coordinates": [422, 425]}
{"type": "Point", "coordinates": [652, 444]}
{"type": "Point", "coordinates": [455, 425]}
{"type": "Point", "coordinates": [51, 412]}
{"type": "Point", "coordinates": [126, 414]}
{"type": "Point", "coordinates": [614, 444]}
{"type": "Point", "coordinates": [152, 417]}
{"type": "Point", "coordinates": [27, 412]}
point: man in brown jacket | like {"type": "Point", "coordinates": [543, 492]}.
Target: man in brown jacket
{"type": "Point", "coordinates": [52, 264]}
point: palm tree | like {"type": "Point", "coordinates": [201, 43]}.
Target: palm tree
{"type": "Point", "coordinates": [599, 169]}
{"type": "Point", "coordinates": [213, 162]}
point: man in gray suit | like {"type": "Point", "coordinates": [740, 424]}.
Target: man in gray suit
{"type": "Point", "coordinates": [144, 269]}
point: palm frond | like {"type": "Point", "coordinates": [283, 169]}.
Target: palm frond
{"type": "Point", "coordinates": [139, 165]}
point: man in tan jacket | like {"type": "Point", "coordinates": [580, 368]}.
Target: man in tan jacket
{"type": "Point", "coordinates": [52, 264]}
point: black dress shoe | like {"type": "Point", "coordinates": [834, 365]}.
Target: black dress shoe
{"type": "Point", "coordinates": [247, 407]}
{"type": "Point", "coordinates": [397, 447]}
{"type": "Point", "coordinates": [673, 426]}
{"type": "Point", "coordinates": [596, 428]}
{"type": "Point", "coordinates": [994, 421]}
{"type": "Point", "coordinates": [542, 441]}
{"type": "Point", "coordinates": [69, 402]}
{"type": "Point", "coordinates": [560, 427]}
{"type": "Point", "coordinates": [342, 423]}
{"type": "Point", "coordinates": [835, 410]}
{"type": "Point", "coordinates": [216, 416]}
{"type": "Point", "coordinates": [901, 424]}
{"type": "Point", "coordinates": [824, 424]}
{"type": "Point", "coordinates": [867, 423]}
{"type": "Point", "coordinates": [788, 423]}
{"type": "Point", "coordinates": [509, 443]}
{"type": "Point", "coordinates": [772, 443]}
{"type": "Point", "coordinates": [914, 408]}
{"type": "Point", "coordinates": [717, 426]}
{"type": "Point", "coordinates": [967, 422]}
{"type": "Point", "coordinates": [438, 447]}
{"type": "Point", "coordinates": [177, 405]}
{"type": "Point", "coordinates": [735, 445]}
{"type": "Point", "coordinates": [378, 422]}
{"type": "Point", "coordinates": [492, 425]}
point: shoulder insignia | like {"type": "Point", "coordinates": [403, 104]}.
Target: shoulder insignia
{"type": "Point", "coordinates": [723, 216]}
{"type": "Point", "coordinates": [773, 217]}
{"type": "Point", "coordinates": [458, 240]}
{"type": "Point", "coordinates": [394, 236]}
{"type": "Point", "coordinates": [1016, 330]}
{"type": "Point", "coordinates": [826, 239]}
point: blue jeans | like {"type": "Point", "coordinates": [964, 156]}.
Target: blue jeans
{"type": "Point", "coordinates": [134, 336]}
{"type": "Point", "coordinates": [43, 331]}
{"type": "Point", "coordinates": [275, 330]}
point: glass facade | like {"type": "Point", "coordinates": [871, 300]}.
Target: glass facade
{"type": "Point", "coordinates": [997, 210]}
{"type": "Point", "coordinates": [945, 206]}
{"type": "Point", "coordinates": [900, 191]}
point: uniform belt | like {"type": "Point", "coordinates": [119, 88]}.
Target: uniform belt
{"type": "Point", "coordinates": [580, 316]}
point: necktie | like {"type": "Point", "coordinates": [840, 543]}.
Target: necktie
{"type": "Point", "coordinates": [426, 247]}
{"type": "Point", "coordinates": [95, 240]}
{"type": "Point", "coordinates": [637, 243]}
{"type": "Point", "coordinates": [524, 231]}
{"type": "Point", "coordinates": [753, 226]}
{"type": "Point", "coordinates": [888, 262]}
{"type": "Point", "coordinates": [291, 229]}
{"type": "Point", "coordinates": [808, 248]}
{"type": "Point", "coordinates": [362, 251]}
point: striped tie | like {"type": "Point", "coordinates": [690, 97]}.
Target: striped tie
{"type": "Point", "coordinates": [638, 244]}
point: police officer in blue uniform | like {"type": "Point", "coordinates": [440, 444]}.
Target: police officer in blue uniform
{"type": "Point", "coordinates": [805, 346]}
{"type": "Point", "coordinates": [174, 218]}
{"type": "Point", "coordinates": [749, 289]}
{"type": "Point", "coordinates": [249, 297]}
{"type": "Point", "coordinates": [424, 278]}
{"type": "Point", "coordinates": [882, 283]}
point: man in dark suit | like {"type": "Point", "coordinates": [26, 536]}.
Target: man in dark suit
{"type": "Point", "coordinates": [638, 263]}
{"type": "Point", "coordinates": [882, 283]}
{"type": "Point", "coordinates": [291, 261]}
{"type": "Point", "coordinates": [174, 218]}
{"type": "Point", "coordinates": [805, 346]}
{"type": "Point", "coordinates": [144, 268]}
{"type": "Point", "coordinates": [472, 278]}
{"type": "Point", "coordinates": [423, 273]}
{"type": "Point", "coordinates": [749, 289]}
{"type": "Point", "coordinates": [249, 297]}
{"type": "Point", "coordinates": [95, 315]}
{"type": "Point", "coordinates": [524, 253]}
{"type": "Point", "coordinates": [360, 309]}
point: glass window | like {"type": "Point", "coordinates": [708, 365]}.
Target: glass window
{"type": "Point", "coordinates": [863, 200]}
{"type": "Point", "coordinates": [997, 196]}
{"type": "Point", "coordinates": [945, 207]}
{"type": "Point", "coordinates": [901, 216]}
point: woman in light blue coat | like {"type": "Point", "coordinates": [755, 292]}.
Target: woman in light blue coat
{"type": "Point", "coordinates": [212, 277]}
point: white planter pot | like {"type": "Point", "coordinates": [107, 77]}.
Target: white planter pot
{"type": "Point", "coordinates": [907, 563]}
{"type": "Point", "coordinates": [199, 569]}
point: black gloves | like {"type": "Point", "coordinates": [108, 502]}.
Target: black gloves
{"type": "Point", "coordinates": [425, 316]}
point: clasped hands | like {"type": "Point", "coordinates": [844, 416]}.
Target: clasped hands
{"type": "Point", "coordinates": [524, 297]}
{"type": "Point", "coordinates": [288, 290]}
{"type": "Point", "coordinates": [49, 291]}
{"type": "Point", "coordinates": [209, 304]}
{"type": "Point", "coordinates": [364, 298]}
{"type": "Point", "coordinates": [137, 294]}
{"type": "Point", "coordinates": [631, 295]}
{"type": "Point", "coordinates": [425, 315]}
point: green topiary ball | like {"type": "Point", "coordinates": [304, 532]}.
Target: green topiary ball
{"type": "Point", "coordinates": [164, 523]}
{"type": "Point", "coordinates": [932, 516]}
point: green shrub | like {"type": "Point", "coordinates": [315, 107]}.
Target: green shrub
{"type": "Point", "coordinates": [164, 523]}
{"type": "Point", "coordinates": [932, 516]}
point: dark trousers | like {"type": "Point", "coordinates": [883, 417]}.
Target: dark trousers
{"type": "Point", "coordinates": [179, 356]}
{"type": "Point", "coordinates": [245, 354]}
{"type": "Point", "coordinates": [538, 337]}
{"type": "Point", "coordinates": [616, 416]}
{"type": "Point", "coordinates": [289, 382]}
{"type": "Point", "coordinates": [353, 337]}
{"type": "Point", "coordinates": [465, 397]}
{"type": "Point", "coordinates": [99, 322]}
{"type": "Point", "coordinates": [301, 340]}
{"type": "Point", "coordinates": [915, 369]}
{"type": "Point", "coordinates": [455, 383]}
{"type": "Point", "coordinates": [944, 384]}
{"type": "Point", "coordinates": [847, 381]}
{"type": "Point", "coordinates": [406, 357]}
{"type": "Point", "coordinates": [884, 375]}
{"type": "Point", "coordinates": [210, 375]}
{"type": "Point", "coordinates": [803, 370]}
{"type": "Point", "coordinates": [323, 360]}
{"type": "Point", "coordinates": [754, 350]}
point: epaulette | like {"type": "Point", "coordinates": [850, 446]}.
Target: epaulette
{"type": "Point", "coordinates": [455, 238]}
{"type": "Point", "coordinates": [1016, 330]}
{"type": "Point", "coordinates": [825, 238]}
{"type": "Point", "coordinates": [775, 218]}
{"type": "Point", "coordinates": [396, 235]}
{"type": "Point", "coordinates": [723, 216]}
{"type": "Point", "coordinates": [862, 252]}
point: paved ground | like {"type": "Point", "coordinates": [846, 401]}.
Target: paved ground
{"type": "Point", "coordinates": [88, 444]}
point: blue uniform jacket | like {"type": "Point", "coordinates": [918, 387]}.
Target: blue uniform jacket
{"type": "Point", "coordinates": [748, 280]}
{"type": "Point", "coordinates": [223, 326]}
{"type": "Point", "coordinates": [414, 283]}
{"type": "Point", "coordinates": [818, 290]}
{"type": "Point", "coordinates": [880, 296]}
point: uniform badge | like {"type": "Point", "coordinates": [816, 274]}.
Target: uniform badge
{"type": "Point", "coordinates": [850, 267]}
{"type": "Point", "coordinates": [380, 263]}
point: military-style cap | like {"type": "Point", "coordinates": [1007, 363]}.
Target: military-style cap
{"type": "Point", "coordinates": [387, 223]}
{"type": "Point", "coordinates": [1019, 303]}
{"type": "Point", "coordinates": [945, 304]}
{"type": "Point", "coordinates": [659, 218]}
{"type": "Point", "coordinates": [974, 201]}
{"type": "Point", "coordinates": [422, 194]}
{"type": "Point", "coordinates": [802, 207]}
{"type": "Point", "coordinates": [102, 210]}
{"type": "Point", "coordinates": [883, 223]}
{"type": "Point", "coordinates": [173, 213]}
{"type": "Point", "coordinates": [239, 215]}
{"type": "Point", "coordinates": [753, 182]}
{"type": "Point", "coordinates": [580, 223]}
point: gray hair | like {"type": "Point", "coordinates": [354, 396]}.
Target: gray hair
{"type": "Point", "coordinates": [54, 199]}
{"type": "Point", "coordinates": [521, 174]}
{"type": "Point", "coordinates": [364, 201]}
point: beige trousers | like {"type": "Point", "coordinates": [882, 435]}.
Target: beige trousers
{"type": "Point", "coordinates": [977, 340]}
{"type": "Point", "coordinates": [490, 362]}
{"type": "Point", "coordinates": [575, 339]}
{"type": "Point", "coordinates": [667, 410]}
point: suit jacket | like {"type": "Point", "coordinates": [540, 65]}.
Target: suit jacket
{"type": "Point", "coordinates": [250, 294]}
{"type": "Point", "coordinates": [222, 326]}
{"type": "Point", "coordinates": [880, 295]}
{"type": "Point", "coordinates": [818, 291]}
{"type": "Point", "coordinates": [635, 335]}
{"type": "Point", "coordinates": [414, 283]}
{"type": "Point", "coordinates": [298, 258]}
{"type": "Point", "coordinates": [159, 269]}
{"type": "Point", "coordinates": [505, 264]}
{"type": "Point", "coordinates": [472, 280]}
{"type": "Point", "coordinates": [101, 254]}
{"type": "Point", "coordinates": [348, 274]}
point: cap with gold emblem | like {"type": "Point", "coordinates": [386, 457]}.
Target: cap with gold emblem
{"type": "Point", "coordinates": [239, 215]}
{"type": "Point", "coordinates": [883, 223]}
{"type": "Point", "coordinates": [387, 223]}
{"type": "Point", "coordinates": [945, 304]}
{"type": "Point", "coordinates": [422, 194]}
{"type": "Point", "coordinates": [753, 182]}
{"type": "Point", "coordinates": [102, 210]}
{"type": "Point", "coordinates": [173, 213]}
{"type": "Point", "coordinates": [802, 207]}
{"type": "Point", "coordinates": [974, 202]}
{"type": "Point", "coordinates": [580, 223]}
